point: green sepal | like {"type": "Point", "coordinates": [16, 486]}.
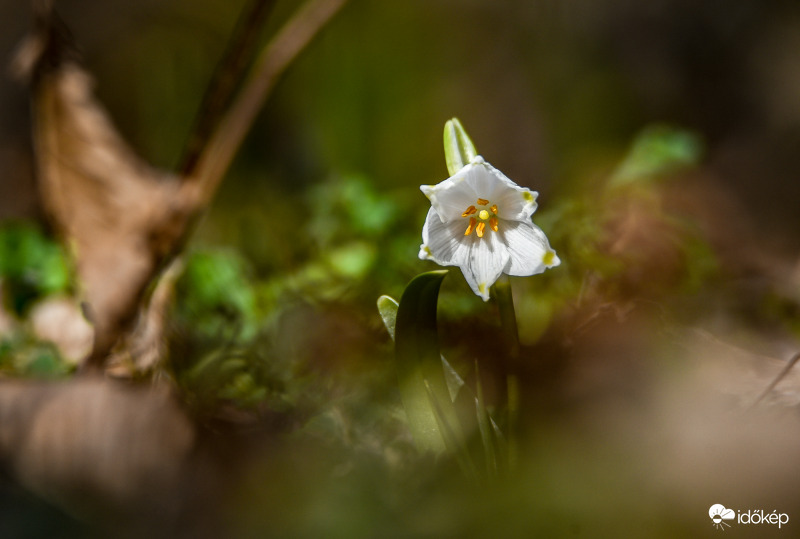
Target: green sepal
{"type": "Point", "coordinates": [458, 147]}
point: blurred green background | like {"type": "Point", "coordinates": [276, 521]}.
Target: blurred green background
{"type": "Point", "coordinates": [598, 105]}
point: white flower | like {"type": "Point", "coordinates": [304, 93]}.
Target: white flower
{"type": "Point", "coordinates": [481, 221]}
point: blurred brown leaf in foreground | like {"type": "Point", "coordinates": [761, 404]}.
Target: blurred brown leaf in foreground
{"type": "Point", "coordinates": [90, 444]}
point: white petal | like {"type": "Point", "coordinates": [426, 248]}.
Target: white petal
{"type": "Point", "coordinates": [444, 243]}
{"type": "Point", "coordinates": [499, 180]}
{"type": "Point", "coordinates": [451, 197]}
{"type": "Point", "coordinates": [487, 258]}
{"type": "Point", "coordinates": [425, 252]}
{"type": "Point", "coordinates": [516, 204]}
{"type": "Point", "coordinates": [528, 248]}
{"type": "Point", "coordinates": [513, 202]}
{"type": "Point", "coordinates": [480, 178]}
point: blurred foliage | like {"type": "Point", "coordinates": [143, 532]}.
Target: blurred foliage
{"type": "Point", "coordinates": [23, 355]}
{"type": "Point", "coordinates": [214, 319]}
{"type": "Point", "coordinates": [348, 208]}
{"type": "Point", "coordinates": [216, 296]}
{"type": "Point", "coordinates": [614, 227]}
{"type": "Point", "coordinates": [656, 151]}
{"type": "Point", "coordinates": [32, 266]}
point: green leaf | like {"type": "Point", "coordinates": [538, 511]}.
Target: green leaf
{"type": "Point", "coordinates": [454, 380]}
{"type": "Point", "coordinates": [484, 422]}
{"type": "Point", "coordinates": [387, 307]}
{"type": "Point", "coordinates": [452, 437]}
{"type": "Point", "coordinates": [419, 363]}
{"type": "Point", "coordinates": [458, 147]}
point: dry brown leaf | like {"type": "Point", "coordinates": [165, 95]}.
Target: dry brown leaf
{"type": "Point", "coordinates": [125, 219]}
{"type": "Point", "coordinates": [121, 216]}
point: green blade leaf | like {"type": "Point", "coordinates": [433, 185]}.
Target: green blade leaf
{"type": "Point", "coordinates": [453, 439]}
{"type": "Point", "coordinates": [484, 421]}
{"type": "Point", "coordinates": [458, 147]}
{"type": "Point", "coordinates": [454, 380]}
{"type": "Point", "coordinates": [387, 307]}
{"type": "Point", "coordinates": [419, 361]}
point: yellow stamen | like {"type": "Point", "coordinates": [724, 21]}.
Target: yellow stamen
{"type": "Point", "coordinates": [493, 223]}
{"type": "Point", "coordinates": [479, 229]}
{"type": "Point", "coordinates": [494, 209]}
{"type": "Point", "coordinates": [482, 202]}
{"type": "Point", "coordinates": [483, 214]}
{"type": "Point", "coordinates": [472, 222]}
{"type": "Point", "coordinates": [469, 211]}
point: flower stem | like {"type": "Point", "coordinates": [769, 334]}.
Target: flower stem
{"type": "Point", "coordinates": [508, 319]}
{"type": "Point", "coordinates": [513, 416]}
{"type": "Point", "coordinates": [501, 292]}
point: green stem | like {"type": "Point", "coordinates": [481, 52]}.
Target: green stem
{"type": "Point", "coordinates": [501, 292]}
{"type": "Point", "coordinates": [508, 319]}
{"type": "Point", "coordinates": [513, 417]}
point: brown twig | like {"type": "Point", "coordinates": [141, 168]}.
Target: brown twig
{"type": "Point", "coordinates": [229, 72]}
{"type": "Point", "coordinates": [217, 155]}
{"type": "Point", "coordinates": [789, 365]}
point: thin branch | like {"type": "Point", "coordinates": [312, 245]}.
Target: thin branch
{"type": "Point", "coordinates": [229, 71]}
{"type": "Point", "coordinates": [789, 365]}
{"type": "Point", "coordinates": [216, 157]}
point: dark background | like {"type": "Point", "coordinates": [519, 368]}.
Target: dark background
{"type": "Point", "coordinates": [547, 89]}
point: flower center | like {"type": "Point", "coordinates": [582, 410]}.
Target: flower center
{"type": "Point", "coordinates": [479, 215]}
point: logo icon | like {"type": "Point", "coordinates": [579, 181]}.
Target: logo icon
{"type": "Point", "coordinates": [719, 515]}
